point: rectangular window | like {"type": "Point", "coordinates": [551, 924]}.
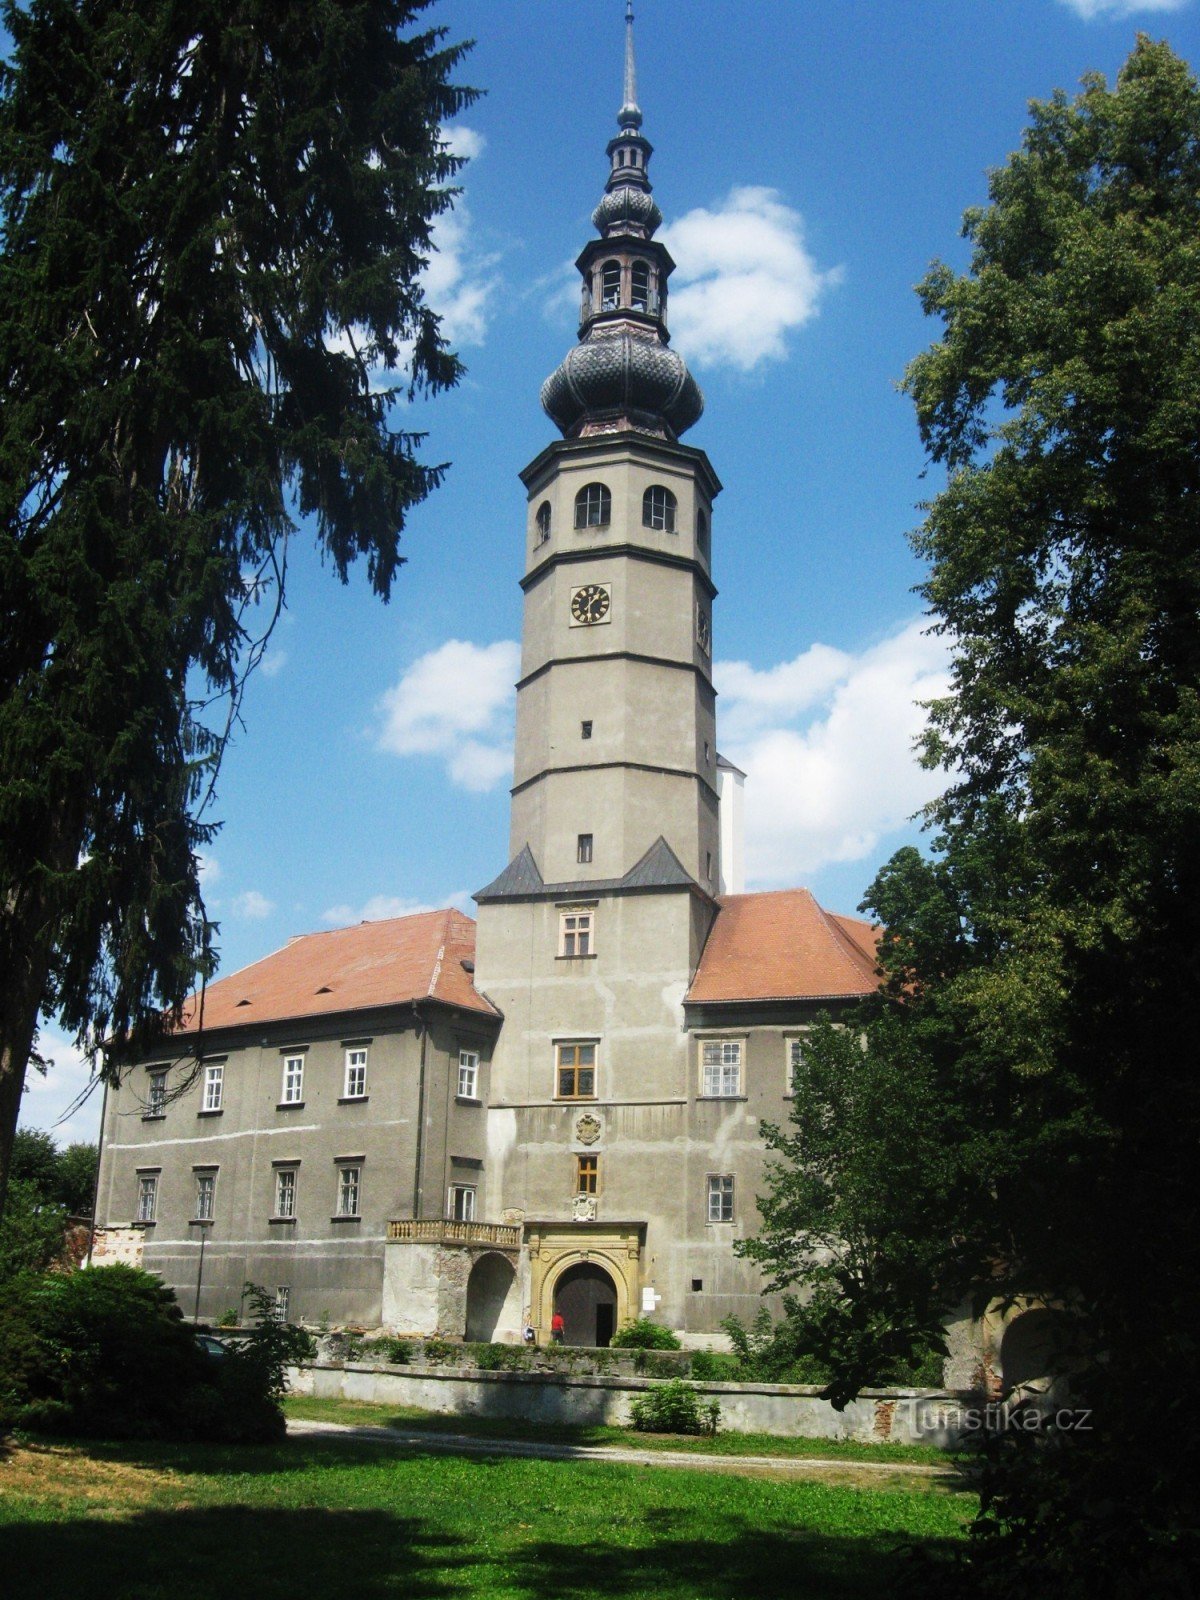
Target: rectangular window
{"type": "Point", "coordinates": [285, 1191]}
{"type": "Point", "coordinates": [583, 848]}
{"type": "Point", "coordinates": [356, 1074]}
{"type": "Point", "coordinates": [462, 1202]}
{"type": "Point", "coordinates": [722, 1062]}
{"type": "Point", "coordinates": [292, 1092]}
{"type": "Point", "coordinates": [720, 1198]}
{"type": "Point", "coordinates": [585, 730]}
{"type": "Point", "coordinates": [795, 1060]}
{"type": "Point", "coordinates": [156, 1095]}
{"type": "Point", "coordinates": [214, 1086]}
{"type": "Point", "coordinates": [147, 1196]}
{"type": "Point", "coordinates": [576, 1071]}
{"type": "Point", "coordinates": [206, 1195]}
{"type": "Point", "coordinates": [349, 1192]}
{"type": "Point", "coordinates": [283, 1302]}
{"type": "Point", "coordinates": [587, 1174]}
{"type": "Point", "coordinates": [575, 931]}
{"type": "Point", "coordinates": [468, 1074]}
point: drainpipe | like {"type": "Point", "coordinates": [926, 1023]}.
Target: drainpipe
{"type": "Point", "coordinates": [96, 1183]}
{"type": "Point", "coordinates": [418, 1186]}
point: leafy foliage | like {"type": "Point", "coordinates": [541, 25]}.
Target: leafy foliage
{"type": "Point", "coordinates": [673, 1407]}
{"type": "Point", "coordinates": [641, 1333]}
{"type": "Point", "coordinates": [1026, 1100]}
{"type": "Point", "coordinates": [215, 219]}
{"type": "Point", "coordinates": [48, 1186]}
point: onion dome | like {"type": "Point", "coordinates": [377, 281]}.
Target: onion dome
{"type": "Point", "coordinates": [623, 373]}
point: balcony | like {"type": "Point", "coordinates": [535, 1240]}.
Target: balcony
{"type": "Point", "coordinates": [499, 1235]}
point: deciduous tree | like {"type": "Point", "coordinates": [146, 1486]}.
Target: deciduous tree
{"type": "Point", "coordinates": [215, 218]}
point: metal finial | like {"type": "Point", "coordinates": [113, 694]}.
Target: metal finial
{"type": "Point", "coordinates": [630, 114]}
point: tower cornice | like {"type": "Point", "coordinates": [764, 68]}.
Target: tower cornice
{"type": "Point", "coordinates": [626, 442]}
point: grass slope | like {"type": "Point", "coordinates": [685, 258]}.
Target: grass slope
{"type": "Point", "coordinates": [325, 1516]}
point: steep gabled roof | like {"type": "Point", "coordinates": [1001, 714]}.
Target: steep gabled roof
{"type": "Point", "coordinates": [658, 868]}
{"type": "Point", "coordinates": [782, 946]}
{"type": "Point", "coordinates": [350, 969]}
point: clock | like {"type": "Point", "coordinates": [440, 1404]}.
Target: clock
{"type": "Point", "coordinates": [703, 630]}
{"type": "Point", "coordinates": [590, 604]}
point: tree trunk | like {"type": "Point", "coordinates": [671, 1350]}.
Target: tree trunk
{"type": "Point", "coordinates": [21, 997]}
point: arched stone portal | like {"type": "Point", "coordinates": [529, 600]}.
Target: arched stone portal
{"type": "Point", "coordinates": [1028, 1349]}
{"type": "Point", "coordinates": [556, 1247]}
{"type": "Point", "coordinates": [488, 1288]}
{"type": "Point", "coordinates": [586, 1296]}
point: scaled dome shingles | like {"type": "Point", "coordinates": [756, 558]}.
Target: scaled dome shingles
{"type": "Point", "coordinates": [781, 945]}
{"type": "Point", "coordinates": [372, 964]}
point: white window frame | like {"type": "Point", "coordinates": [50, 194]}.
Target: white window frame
{"type": "Point", "coordinates": [291, 1088]}
{"type": "Point", "coordinates": [349, 1189]}
{"type": "Point", "coordinates": [283, 1302]}
{"type": "Point", "coordinates": [720, 1192]}
{"type": "Point", "coordinates": [721, 1065]}
{"type": "Point", "coordinates": [576, 931]}
{"type": "Point", "coordinates": [460, 1202]}
{"type": "Point", "coordinates": [356, 1073]}
{"type": "Point", "coordinates": [793, 1046]}
{"type": "Point", "coordinates": [593, 506]}
{"type": "Point", "coordinates": [206, 1195]}
{"type": "Point", "coordinates": [147, 1196]}
{"type": "Point", "coordinates": [156, 1093]}
{"type": "Point", "coordinates": [286, 1182]}
{"type": "Point", "coordinates": [660, 509]}
{"type": "Point", "coordinates": [214, 1086]}
{"type": "Point", "coordinates": [543, 521]}
{"type": "Point", "coordinates": [468, 1074]}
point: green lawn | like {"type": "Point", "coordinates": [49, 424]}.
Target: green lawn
{"type": "Point", "coordinates": [329, 1516]}
{"type": "Point", "coordinates": [726, 1444]}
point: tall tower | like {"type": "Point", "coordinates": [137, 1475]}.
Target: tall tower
{"type": "Point", "coordinates": [588, 939]}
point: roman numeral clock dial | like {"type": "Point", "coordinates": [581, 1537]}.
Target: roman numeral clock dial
{"type": "Point", "coordinates": [590, 604]}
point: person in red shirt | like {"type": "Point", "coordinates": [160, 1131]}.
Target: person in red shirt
{"type": "Point", "coordinates": [558, 1327]}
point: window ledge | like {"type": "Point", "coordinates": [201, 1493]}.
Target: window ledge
{"type": "Point", "coordinates": [346, 1219]}
{"type": "Point", "coordinates": [723, 1097]}
{"type": "Point", "coordinates": [353, 1099]}
{"type": "Point", "coordinates": [217, 1111]}
{"type": "Point", "coordinates": [574, 1100]}
{"type": "Point", "coordinates": [152, 1223]}
{"type": "Point", "coordinates": [154, 1116]}
{"type": "Point", "coordinates": [590, 956]}
{"type": "Point", "coordinates": [467, 1100]}
{"type": "Point", "coordinates": [276, 1222]}
{"type": "Point", "coordinates": [290, 1105]}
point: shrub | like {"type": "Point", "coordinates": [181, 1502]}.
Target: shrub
{"type": "Point", "coordinates": [440, 1352]}
{"type": "Point", "coordinates": [674, 1408]}
{"type": "Point", "coordinates": [661, 1363]}
{"type": "Point", "coordinates": [714, 1366]}
{"type": "Point", "coordinates": [500, 1357]}
{"type": "Point", "coordinates": [642, 1334]}
{"type": "Point", "coordinates": [228, 1318]}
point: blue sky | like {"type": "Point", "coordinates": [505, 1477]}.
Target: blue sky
{"type": "Point", "coordinates": [811, 159]}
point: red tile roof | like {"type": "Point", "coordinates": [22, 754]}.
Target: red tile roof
{"type": "Point", "coordinates": [351, 969]}
{"type": "Point", "coordinates": [782, 946]}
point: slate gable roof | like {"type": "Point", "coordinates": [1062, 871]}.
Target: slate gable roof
{"type": "Point", "coordinates": [659, 868]}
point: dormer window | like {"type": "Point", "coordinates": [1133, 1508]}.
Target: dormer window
{"type": "Point", "coordinates": [542, 522]}
{"type": "Point", "coordinates": [593, 506]}
{"type": "Point", "coordinates": [610, 286]}
{"type": "Point", "coordinates": [658, 509]}
{"type": "Point", "coordinates": [640, 281]}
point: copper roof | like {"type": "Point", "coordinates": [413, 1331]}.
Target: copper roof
{"type": "Point", "coordinates": [351, 969]}
{"type": "Point", "coordinates": [782, 946]}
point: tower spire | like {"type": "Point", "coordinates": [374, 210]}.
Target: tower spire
{"type": "Point", "coordinates": [630, 114]}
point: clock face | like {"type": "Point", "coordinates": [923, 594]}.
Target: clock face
{"type": "Point", "coordinates": [703, 631]}
{"type": "Point", "coordinates": [590, 604]}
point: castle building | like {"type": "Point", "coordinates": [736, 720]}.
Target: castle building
{"type": "Point", "coordinates": [429, 1124]}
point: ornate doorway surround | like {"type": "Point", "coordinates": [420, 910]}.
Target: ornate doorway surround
{"type": "Point", "coordinates": [554, 1247]}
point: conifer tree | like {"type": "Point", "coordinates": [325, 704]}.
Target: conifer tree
{"type": "Point", "coordinates": [215, 217]}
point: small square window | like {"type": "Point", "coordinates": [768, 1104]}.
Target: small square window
{"type": "Point", "coordinates": [156, 1095]}
{"type": "Point", "coordinates": [575, 934]}
{"type": "Point", "coordinates": [585, 730]}
{"type": "Point", "coordinates": [722, 1067]}
{"type": "Point", "coordinates": [147, 1196]}
{"type": "Point", "coordinates": [206, 1196]}
{"type": "Point", "coordinates": [587, 1174]}
{"type": "Point", "coordinates": [292, 1092]}
{"type": "Point", "coordinates": [468, 1074]}
{"type": "Point", "coordinates": [583, 849]}
{"type": "Point", "coordinates": [575, 1073]}
{"type": "Point", "coordinates": [356, 1074]}
{"type": "Point", "coordinates": [697, 1285]}
{"type": "Point", "coordinates": [462, 1202]}
{"type": "Point", "coordinates": [285, 1192]}
{"type": "Point", "coordinates": [349, 1192]}
{"type": "Point", "coordinates": [720, 1198]}
{"type": "Point", "coordinates": [214, 1086]}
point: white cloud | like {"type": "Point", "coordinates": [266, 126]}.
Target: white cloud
{"type": "Point", "coordinates": [745, 279]}
{"type": "Point", "coordinates": [252, 906]}
{"type": "Point", "coordinates": [826, 741]}
{"type": "Point", "coordinates": [48, 1098]}
{"type": "Point", "coordinates": [456, 703]}
{"type": "Point", "coordinates": [460, 280]}
{"type": "Point", "coordinates": [1090, 10]}
{"type": "Point", "coordinates": [273, 662]}
{"type": "Point", "coordinates": [382, 906]}
{"type": "Point", "coordinates": [209, 869]}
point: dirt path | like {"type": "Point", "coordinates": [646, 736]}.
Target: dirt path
{"type": "Point", "coordinates": [865, 1474]}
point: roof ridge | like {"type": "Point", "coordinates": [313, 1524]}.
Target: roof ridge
{"type": "Point", "coordinates": [848, 950]}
